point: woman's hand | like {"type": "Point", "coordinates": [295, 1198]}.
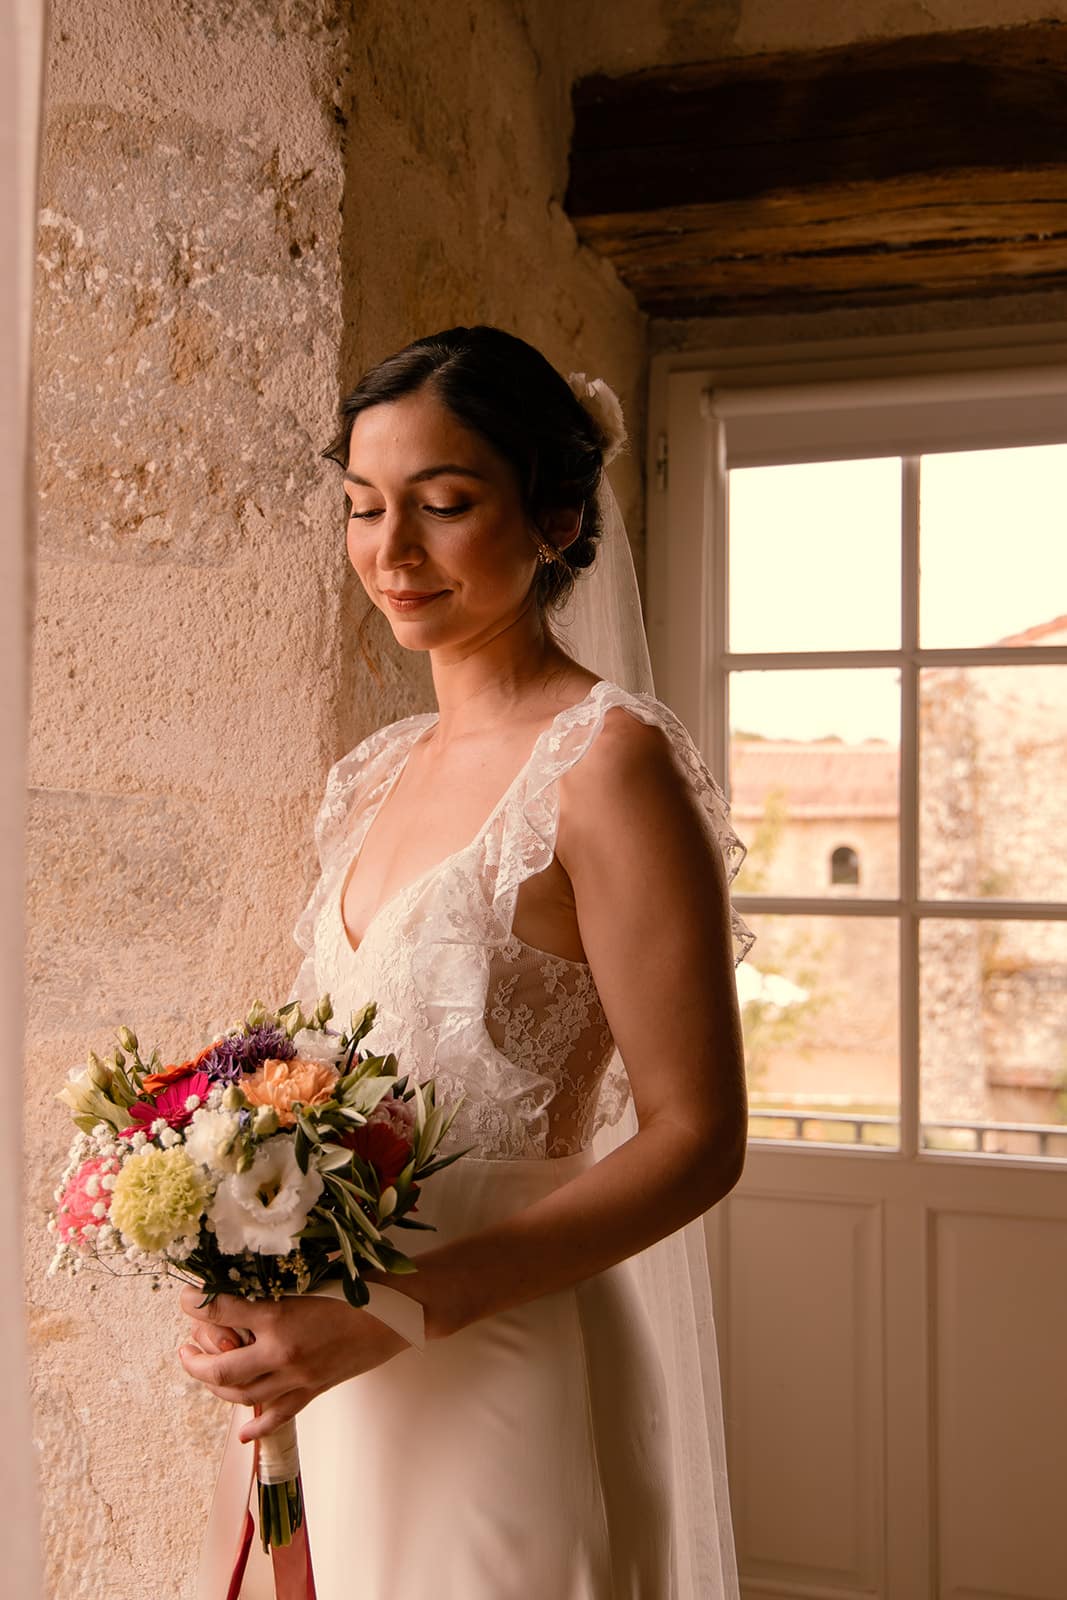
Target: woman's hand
{"type": "Point", "coordinates": [300, 1346]}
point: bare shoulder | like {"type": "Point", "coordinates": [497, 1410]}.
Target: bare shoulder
{"type": "Point", "coordinates": [629, 779]}
{"type": "Point", "coordinates": [626, 750]}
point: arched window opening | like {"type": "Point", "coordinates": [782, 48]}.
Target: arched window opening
{"type": "Point", "coordinates": [844, 865]}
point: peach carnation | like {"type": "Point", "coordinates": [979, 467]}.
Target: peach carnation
{"type": "Point", "coordinates": [281, 1084]}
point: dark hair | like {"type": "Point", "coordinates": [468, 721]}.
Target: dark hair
{"type": "Point", "coordinates": [500, 387]}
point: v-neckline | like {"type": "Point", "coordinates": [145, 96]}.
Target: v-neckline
{"type": "Point", "coordinates": [453, 855]}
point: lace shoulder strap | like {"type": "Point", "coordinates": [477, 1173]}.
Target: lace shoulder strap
{"type": "Point", "coordinates": [529, 835]}
{"type": "Point", "coordinates": [354, 784]}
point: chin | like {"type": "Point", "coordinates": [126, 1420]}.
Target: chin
{"type": "Point", "coordinates": [407, 639]}
{"type": "Point", "coordinates": [421, 635]}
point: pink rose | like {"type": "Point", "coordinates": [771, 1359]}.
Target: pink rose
{"type": "Point", "coordinates": [399, 1115]}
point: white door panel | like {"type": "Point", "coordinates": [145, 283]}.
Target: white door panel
{"type": "Point", "coordinates": [892, 1338]}
{"type": "Point", "coordinates": [892, 1322]}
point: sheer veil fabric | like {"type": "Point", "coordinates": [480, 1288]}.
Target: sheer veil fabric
{"type": "Point", "coordinates": [602, 627]}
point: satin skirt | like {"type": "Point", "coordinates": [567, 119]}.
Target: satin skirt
{"type": "Point", "coordinates": [526, 1457]}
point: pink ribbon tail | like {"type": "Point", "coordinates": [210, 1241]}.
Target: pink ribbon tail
{"type": "Point", "coordinates": [293, 1577]}
{"type": "Point", "coordinates": [230, 1551]}
{"type": "Point", "coordinates": [237, 1576]}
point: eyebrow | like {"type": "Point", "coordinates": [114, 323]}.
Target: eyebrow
{"type": "Point", "coordinates": [421, 477]}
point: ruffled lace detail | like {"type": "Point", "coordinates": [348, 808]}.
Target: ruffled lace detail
{"type": "Point", "coordinates": [520, 1033]}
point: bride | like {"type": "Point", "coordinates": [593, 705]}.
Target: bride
{"type": "Point", "coordinates": [532, 883]}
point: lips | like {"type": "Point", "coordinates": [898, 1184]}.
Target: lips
{"type": "Point", "coordinates": [412, 599]}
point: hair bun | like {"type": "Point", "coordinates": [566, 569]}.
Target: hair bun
{"type": "Point", "coordinates": [602, 404]}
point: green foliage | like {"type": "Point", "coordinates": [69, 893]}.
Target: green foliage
{"type": "Point", "coordinates": [763, 846]}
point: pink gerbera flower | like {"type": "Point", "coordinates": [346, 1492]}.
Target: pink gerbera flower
{"type": "Point", "coordinates": [175, 1104]}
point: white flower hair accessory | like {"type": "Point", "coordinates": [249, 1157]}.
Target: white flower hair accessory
{"type": "Point", "coordinates": [602, 404]}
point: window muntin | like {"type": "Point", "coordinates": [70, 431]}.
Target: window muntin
{"type": "Point", "coordinates": [922, 896]}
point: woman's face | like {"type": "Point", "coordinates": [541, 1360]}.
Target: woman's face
{"type": "Point", "coordinates": [436, 527]}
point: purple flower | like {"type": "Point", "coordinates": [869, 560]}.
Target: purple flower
{"type": "Point", "coordinates": [239, 1053]}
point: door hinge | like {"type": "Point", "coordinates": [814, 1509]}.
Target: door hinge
{"type": "Point", "coordinates": [662, 461]}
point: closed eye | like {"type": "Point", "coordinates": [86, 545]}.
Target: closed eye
{"type": "Point", "coordinates": [437, 511]}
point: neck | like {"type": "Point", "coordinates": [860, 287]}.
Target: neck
{"type": "Point", "coordinates": [480, 684]}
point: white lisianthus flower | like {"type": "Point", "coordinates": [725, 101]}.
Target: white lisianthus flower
{"type": "Point", "coordinates": [209, 1139]}
{"type": "Point", "coordinates": [314, 1045]}
{"type": "Point", "coordinates": [265, 1208]}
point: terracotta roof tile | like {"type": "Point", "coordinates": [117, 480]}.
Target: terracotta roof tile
{"type": "Point", "coordinates": [1054, 632]}
{"type": "Point", "coordinates": [818, 779]}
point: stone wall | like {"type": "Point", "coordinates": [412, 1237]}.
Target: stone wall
{"type": "Point", "coordinates": [993, 746]}
{"type": "Point", "coordinates": [458, 135]}
{"type": "Point", "coordinates": [243, 202]}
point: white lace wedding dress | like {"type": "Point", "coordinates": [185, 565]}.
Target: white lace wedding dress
{"type": "Point", "coordinates": [549, 1452]}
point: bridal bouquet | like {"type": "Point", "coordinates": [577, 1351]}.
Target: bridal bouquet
{"type": "Point", "coordinates": [269, 1163]}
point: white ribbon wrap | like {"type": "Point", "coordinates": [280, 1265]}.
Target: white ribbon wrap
{"type": "Point", "coordinates": [279, 1457]}
{"type": "Point", "coordinates": [398, 1311]}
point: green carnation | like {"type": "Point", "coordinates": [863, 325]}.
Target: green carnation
{"type": "Point", "coordinates": [159, 1196]}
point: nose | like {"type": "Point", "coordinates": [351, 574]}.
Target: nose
{"type": "Point", "coordinates": [399, 542]}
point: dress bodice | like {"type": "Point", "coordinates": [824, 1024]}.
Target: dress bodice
{"type": "Point", "coordinates": [520, 1033]}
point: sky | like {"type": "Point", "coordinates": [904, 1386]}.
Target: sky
{"type": "Point", "coordinates": [815, 565]}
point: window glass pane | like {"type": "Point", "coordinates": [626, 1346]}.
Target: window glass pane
{"type": "Point", "coordinates": [814, 759]}
{"type": "Point", "coordinates": [993, 1036]}
{"type": "Point", "coordinates": [993, 546]}
{"type": "Point", "coordinates": [819, 1005]}
{"type": "Point", "coordinates": [992, 788]}
{"type": "Point", "coordinates": [814, 552]}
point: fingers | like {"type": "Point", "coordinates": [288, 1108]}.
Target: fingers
{"type": "Point", "coordinates": [226, 1310]}
{"type": "Point", "coordinates": [238, 1375]}
{"type": "Point", "coordinates": [216, 1341]}
{"type": "Point", "coordinates": [274, 1413]}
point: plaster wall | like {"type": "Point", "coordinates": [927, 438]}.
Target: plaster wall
{"type": "Point", "coordinates": [243, 202]}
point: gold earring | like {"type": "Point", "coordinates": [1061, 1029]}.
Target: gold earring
{"type": "Point", "coordinates": [547, 553]}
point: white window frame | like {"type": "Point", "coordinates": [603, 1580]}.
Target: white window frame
{"type": "Point", "coordinates": [710, 411]}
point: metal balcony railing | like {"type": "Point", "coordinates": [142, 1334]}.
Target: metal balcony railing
{"type": "Point", "coordinates": [1042, 1138]}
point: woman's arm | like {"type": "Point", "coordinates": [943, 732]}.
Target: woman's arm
{"type": "Point", "coordinates": [653, 909]}
{"type": "Point", "coordinates": [650, 891]}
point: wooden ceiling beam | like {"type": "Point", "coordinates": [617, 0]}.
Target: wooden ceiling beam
{"type": "Point", "coordinates": [908, 169]}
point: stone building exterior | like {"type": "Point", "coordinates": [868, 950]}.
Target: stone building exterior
{"type": "Point", "coordinates": [810, 812]}
{"type": "Point", "coordinates": [993, 820]}
{"type": "Point", "coordinates": [993, 814]}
